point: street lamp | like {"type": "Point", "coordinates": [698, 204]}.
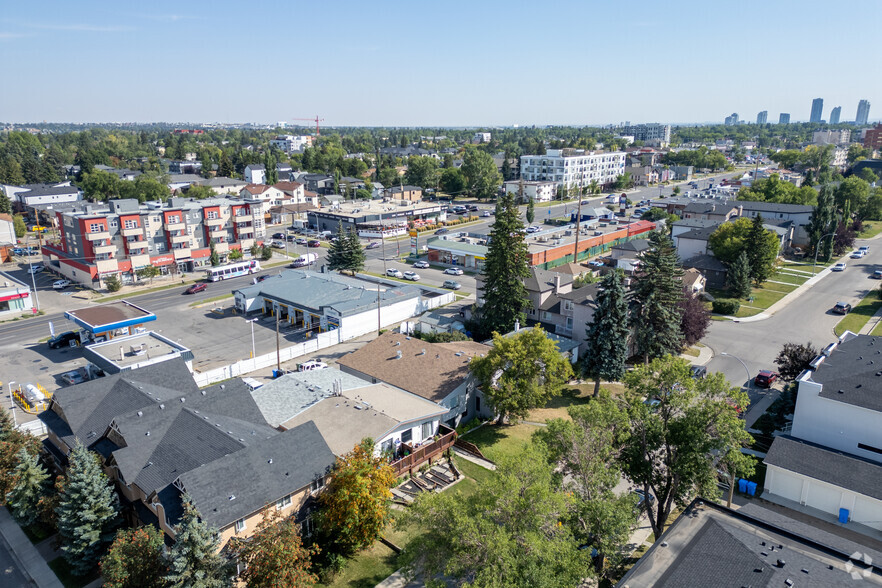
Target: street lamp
{"type": "Point", "coordinates": [33, 275]}
{"type": "Point", "coordinates": [253, 352]}
{"type": "Point", "coordinates": [818, 249]}
{"type": "Point", "coordinates": [742, 363]}
{"type": "Point", "coordinates": [12, 403]}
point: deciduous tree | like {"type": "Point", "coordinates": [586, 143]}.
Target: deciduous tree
{"type": "Point", "coordinates": [608, 332]}
{"type": "Point", "coordinates": [135, 559]}
{"type": "Point", "coordinates": [422, 171]}
{"type": "Point", "coordinates": [794, 358]}
{"type": "Point", "coordinates": [695, 318]}
{"type": "Point", "coordinates": [823, 221]}
{"type": "Point", "coordinates": [761, 246]}
{"type": "Point", "coordinates": [521, 372]}
{"type": "Point", "coordinates": [30, 486]}
{"type": "Point", "coordinates": [481, 176]}
{"type": "Point", "coordinates": [657, 292]}
{"type": "Point", "coordinates": [275, 556]}
{"type": "Point", "coordinates": [452, 181]}
{"type": "Point", "coordinates": [193, 560]}
{"type": "Point", "coordinates": [19, 226]}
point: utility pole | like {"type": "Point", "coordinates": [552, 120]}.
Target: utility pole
{"type": "Point", "coordinates": [578, 228]}
{"type": "Point", "coordinates": [379, 318]}
{"type": "Point", "coordinates": [278, 348]}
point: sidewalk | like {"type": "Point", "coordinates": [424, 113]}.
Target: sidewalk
{"type": "Point", "coordinates": [759, 408]}
{"type": "Point", "coordinates": [871, 324]}
{"type": "Point", "coordinates": [705, 354]}
{"type": "Point", "coordinates": [790, 297]}
{"type": "Point", "coordinates": [29, 560]}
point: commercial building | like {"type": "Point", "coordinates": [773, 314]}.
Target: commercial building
{"type": "Point", "coordinates": [654, 134]}
{"type": "Point", "coordinates": [536, 191]}
{"type": "Point", "coordinates": [15, 297]}
{"type": "Point", "coordinates": [292, 143]}
{"type": "Point", "coordinates": [130, 352]}
{"type": "Point", "coordinates": [835, 114]}
{"type": "Point", "coordinates": [873, 138]}
{"type": "Point", "coordinates": [817, 110]}
{"type": "Point", "coordinates": [784, 118]}
{"type": "Point", "coordinates": [863, 112]}
{"type": "Point", "coordinates": [573, 167]}
{"type": "Point", "coordinates": [373, 218]}
{"type": "Point", "coordinates": [98, 240]}
{"type": "Point", "coordinates": [762, 117]}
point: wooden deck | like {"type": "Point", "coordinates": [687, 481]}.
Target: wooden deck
{"type": "Point", "coordinates": [426, 452]}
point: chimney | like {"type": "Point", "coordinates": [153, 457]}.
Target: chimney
{"type": "Point", "coordinates": [397, 355]}
{"type": "Point", "coordinates": [557, 283]}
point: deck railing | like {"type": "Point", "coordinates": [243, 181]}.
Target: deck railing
{"type": "Point", "coordinates": [425, 452]}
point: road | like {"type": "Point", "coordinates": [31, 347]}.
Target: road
{"type": "Point", "coordinates": [10, 575]}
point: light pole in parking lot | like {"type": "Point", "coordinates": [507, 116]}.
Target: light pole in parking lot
{"type": "Point", "coordinates": [253, 351]}
{"type": "Point", "coordinates": [12, 404]}
{"type": "Point", "coordinates": [33, 275]}
{"type": "Point", "coordinates": [818, 249]}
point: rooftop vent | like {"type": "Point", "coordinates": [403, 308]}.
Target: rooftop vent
{"type": "Point", "coordinates": [840, 391]}
{"type": "Point", "coordinates": [147, 434]}
{"type": "Point", "coordinates": [161, 407]}
{"type": "Point", "coordinates": [422, 352]}
{"type": "Point", "coordinates": [203, 392]}
{"type": "Point", "coordinates": [140, 413]}
{"type": "Point", "coordinates": [223, 386]}
{"type": "Point", "coordinates": [397, 355]}
{"type": "Point", "coordinates": [270, 460]}
{"type": "Point", "coordinates": [182, 398]}
{"type": "Point", "coordinates": [780, 563]}
{"type": "Point", "coordinates": [232, 497]}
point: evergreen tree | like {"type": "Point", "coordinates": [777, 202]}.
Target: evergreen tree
{"type": "Point", "coordinates": [531, 211]}
{"type": "Point", "coordinates": [5, 206]}
{"type": "Point", "coordinates": [608, 332]}
{"type": "Point", "coordinates": [505, 269]}
{"type": "Point", "coordinates": [214, 258]}
{"type": "Point", "coordinates": [87, 511]}
{"type": "Point", "coordinates": [339, 253]}
{"type": "Point", "coordinates": [738, 277]}
{"type": "Point", "coordinates": [762, 250]}
{"type": "Point", "coordinates": [357, 256]}
{"type": "Point", "coordinates": [194, 561]}
{"type": "Point", "coordinates": [225, 166]}
{"type": "Point", "coordinates": [823, 221]}
{"type": "Point", "coordinates": [657, 293]}
{"type": "Point", "coordinates": [30, 485]}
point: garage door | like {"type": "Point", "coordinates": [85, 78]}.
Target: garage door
{"type": "Point", "coordinates": [867, 512]}
{"type": "Point", "coordinates": [824, 498]}
{"type": "Point", "coordinates": [785, 484]}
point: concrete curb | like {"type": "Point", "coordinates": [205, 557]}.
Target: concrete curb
{"type": "Point", "coordinates": [29, 560]}
{"type": "Point", "coordinates": [787, 299]}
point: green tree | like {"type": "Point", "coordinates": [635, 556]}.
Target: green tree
{"type": "Point", "coordinates": [505, 269]}
{"type": "Point", "coordinates": [355, 506]}
{"type": "Point", "coordinates": [199, 192]}
{"type": "Point", "coordinates": [868, 176]}
{"type": "Point", "coordinates": [135, 559]}
{"type": "Point", "coordinates": [851, 196]}
{"type": "Point", "coordinates": [194, 561]}
{"type": "Point", "coordinates": [872, 210]}
{"type": "Point", "coordinates": [266, 253]}
{"type": "Point", "coordinates": [100, 185]}
{"type": "Point", "coordinates": [87, 511]}
{"type": "Point", "coordinates": [148, 272]}
{"type": "Point", "coordinates": [213, 257]}
{"type": "Point", "coordinates": [225, 166]}
{"type": "Point", "coordinates": [787, 159]}
{"type": "Point", "coordinates": [30, 486]}
{"type": "Point", "coordinates": [481, 176]}
{"type": "Point", "coordinates": [738, 277]}
{"type": "Point", "coordinates": [339, 252]}
{"type": "Point", "coordinates": [144, 189]}
{"type": "Point", "coordinates": [5, 205]}
{"type": "Point", "coordinates": [608, 332]}
{"type": "Point", "coordinates": [762, 247]}
{"type": "Point", "coordinates": [511, 533]}
{"type": "Point", "coordinates": [357, 257]}
{"type": "Point", "coordinates": [275, 556]}
{"type": "Point", "coordinates": [12, 441]}
{"type": "Point", "coordinates": [823, 220]}
{"type": "Point", "coordinates": [19, 226]}
{"type": "Point", "coordinates": [531, 211]}
{"type": "Point", "coordinates": [669, 452]}
{"type": "Point", "coordinates": [774, 189]}
{"type": "Point", "coordinates": [521, 372]}
{"type": "Point", "coordinates": [452, 181]}
{"type": "Point", "coordinates": [113, 283]}
{"type": "Point", "coordinates": [421, 171]}
{"type": "Point", "coordinates": [657, 292]}
{"type": "Point", "coordinates": [856, 152]}
{"type": "Point", "coordinates": [794, 358]}
{"type": "Point", "coordinates": [236, 254]}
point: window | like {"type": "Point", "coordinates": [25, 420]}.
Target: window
{"type": "Point", "coordinates": [240, 525]}
{"type": "Point", "coordinates": [306, 527]}
{"type": "Point", "coordinates": [286, 501]}
{"type": "Point", "coordinates": [131, 223]}
{"type": "Point", "coordinates": [427, 430]}
{"type": "Point", "coordinates": [407, 436]}
{"type": "Point", "coordinates": [317, 485]}
{"type": "Point", "coordinates": [114, 223]}
{"type": "Point", "coordinates": [160, 246]}
{"type": "Point", "coordinates": [173, 219]}
{"type": "Point", "coordinates": [211, 214]}
{"type": "Point", "coordinates": [477, 404]}
{"type": "Point", "coordinates": [96, 227]}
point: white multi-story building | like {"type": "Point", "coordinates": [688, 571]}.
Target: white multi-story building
{"type": "Point", "coordinates": [831, 137]}
{"type": "Point", "coordinates": [573, 167]}
{"type": "Point", "coordinates": [654, 133]}
{"type": "Point", "coordinates": [481, 138]}
{"type": "Point", "coordinates": [535, 191]}
{"type": "Point", "coordinates": [292, 143]}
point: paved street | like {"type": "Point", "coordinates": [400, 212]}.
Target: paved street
{"type": "Point", "coordinates": [10, 575]}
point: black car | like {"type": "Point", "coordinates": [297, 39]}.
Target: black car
{"type": "Point", "coordinates": [64, 339]}
{"type": "Point", "coordinates": [278, 235]}
{"type": "Point", "coordinates": [698, 371]}
{"type": "Point", "coordinates": [473, 208]}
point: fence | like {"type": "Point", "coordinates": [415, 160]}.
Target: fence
{"type": "Point", "coordinates": [35, 428]}
{"type": "Point", "coordinates": [321, 341]}
{"type": "Point", "coordinates": [29, 405]}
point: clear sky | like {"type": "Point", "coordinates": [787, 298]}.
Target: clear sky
{"type": "Point", "coordinates": [444, 63]}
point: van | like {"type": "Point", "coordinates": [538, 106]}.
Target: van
{"type": "Point", "coordinates": [325, 235]}
{"type": "Point", "coordinates": [304, 260]}
{"type": "Point", "coordinates": [312, 364]}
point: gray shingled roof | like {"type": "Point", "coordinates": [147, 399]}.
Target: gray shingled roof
{"type": "Point", "coordinates": [286, 397]}
{"type": "Point", "coordinates": [240, 484]}
{"type": "Point", "coordinates": [853, 373]}
{"type": "Point", "coordinates": [761, 207]}
{"type": "Point", "coordinates": [840, 469]}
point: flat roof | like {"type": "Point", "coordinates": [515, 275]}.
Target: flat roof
{"type": "Point", "coordinates": [110, 316]}
{"type": "Point", "coordinates": [377, 207]}
{"type": "Point", "coordinates": [127, 351]}
{"type": "Point", "coordinates": [849, 374]}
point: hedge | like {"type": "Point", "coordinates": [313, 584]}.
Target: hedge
{"type": "Point", "coordinates": [726, 306]}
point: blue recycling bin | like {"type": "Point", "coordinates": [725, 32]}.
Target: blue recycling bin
{"type": "Point", "coordinates": [742, 485]}
{"type": "Point", "coordinates": [751, 488]}
{"type": "Point", "coordinates": [843, 515]}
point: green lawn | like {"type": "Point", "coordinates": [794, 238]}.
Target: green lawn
{"type": "Point", "coordinates": [497, 442]}
{"type": "Point", "coordinates": [860, 314]}
{"type": "Point", "coordinates": [62, 571]}
{"type": "Point", "coordinates": [789, 278]}
{"type": "Point", "coordinates": [870, 230]}
{"type": "Point", "coordinates": [572, 395]}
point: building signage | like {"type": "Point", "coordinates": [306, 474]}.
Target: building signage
{"type": "Point", "coordinates": [414, 243]}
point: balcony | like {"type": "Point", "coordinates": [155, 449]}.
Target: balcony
{"type": "Point", "coordinates": [246, 230]}
{"type": "Point", "coordinates": [424, 453]}
{"type": "Point", "coordinates": [132, 232]}
{"type": "Point", "coordinates": [246, 244]}
{"type": "Point", "coordinates": [103, 235]}
{"type": "Point", "coordinates": [177, 239]}
{"type": "Point", "coordinates": [222, 247]}
{"type": "Point", "coordinates": [139, 245]}
{"type": "Point", "coordinates": [218, 233]}
{"type": "Point", "coordinates": [214, 222]}
{"type": "Point", "coordinates": [104, 249]}
{"type": "Point", "coordinates": [105, 266]}
{"type": "Point", "coordinates": [175, 227]}
{"type": "Point", "coordinates": [182, 253]}
{"type": "Point", "coordinates": [139, 260]}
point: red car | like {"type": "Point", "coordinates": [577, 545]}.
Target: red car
{"type": "Point", "coordinates": [314, 243]}
{"type": "Point", "coordinates": [196, 288]}
{"type": "Point", "coordinates": [765, 379]}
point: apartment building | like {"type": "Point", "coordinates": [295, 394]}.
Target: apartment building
{"type": "Point", "coordinates": [831, 137]}
{"type": "Point", "coordinates": [536, 191]}
{"type": "Point", "coordinates": [651, 133]}
{"type": "Point", "coordinates": [569, 167]}
{"type": "Point", "coordinates": [291, 143]}
{"type": "Point", "coordinates": [97, 241]}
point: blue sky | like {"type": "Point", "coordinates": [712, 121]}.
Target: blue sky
{"type": "Point", "coordinates": [450, 63]}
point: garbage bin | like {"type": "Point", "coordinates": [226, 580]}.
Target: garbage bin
{"type": "Point", "coordinates": [843, 515]}
{"type": "Point", "coordinates": [751, 488]}
{"type": "Point", "coordinates": [742, 485]}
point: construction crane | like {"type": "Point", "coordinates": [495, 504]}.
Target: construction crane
{"type": "Point", "coordinates": [316, 120]}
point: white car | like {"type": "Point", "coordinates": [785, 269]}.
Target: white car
{"type": "Point", "coordinates": [857, 254]}
{"type": "Point", "coordinates": [412, 276]}
{"type": "Point", "coordinates": [312, 364]}
{"type": "Point", "coordinates": [421, 264]}
{"type": "Point", "coordinates": [35, 269]}
{"type": "Point", "coordinates": [278, 244]}
{"type": "Point", "coordinates": [485, 214]}
{"type": "Point", "coordinates": [532, 229]}
{"type": "Point", "coordinates": [864, 249]}
{"type": "Point", "coordinates": [60, 284]}
{"type": "Point", "coordinates": [394, 273]}
{"type": "Point", "coordinates": [453, 271]}
{"type": "Point", "coordinates": [839, 267]}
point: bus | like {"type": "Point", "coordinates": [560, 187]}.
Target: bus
{"type": "Point", "coordinates": [233, 270]}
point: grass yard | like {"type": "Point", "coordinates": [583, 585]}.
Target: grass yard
{"type": "Point", "coordinates": [860, 314]}
{"type": "Point", "coordinates": [572, 395]}
{"type": "Point", "coordinates": [789, 278]}
{"type": "Point", "coordinates": [63, 572]}
{"type": "Point", "coordinates": [870, 229]}
{"type": "Point", "coordinates": [497, 442]}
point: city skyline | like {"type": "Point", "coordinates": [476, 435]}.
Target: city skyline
{"type": "Point", "coordinates": [419, 65]}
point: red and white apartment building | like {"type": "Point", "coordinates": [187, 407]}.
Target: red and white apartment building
{"type": "Point", "coordinates": [121, 236]}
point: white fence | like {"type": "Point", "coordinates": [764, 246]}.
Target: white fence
{"type": "Point", "coordinates": [36, 428]}
{"type": "Point", "coordinates": [321, 341]}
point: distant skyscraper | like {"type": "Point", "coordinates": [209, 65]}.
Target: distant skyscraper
{"type": "Point", "coordinates": [834, 115]}
{"type": "Point", "coordinates": [762, 117]}
{"type": "Point", "coordinates": [784, 118]}
{"type": "Point", "coordinates": [863, 112]}
{"type": "Point", "coordinates": [817, 110]}
{"type": "Point", "coordinates": [732, 119]}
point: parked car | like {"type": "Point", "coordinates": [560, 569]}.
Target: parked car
{"type": "Point", "coordinates": [841, 308]}
{"type": "Point", "coordinates": [64, 339]}
{"type": "Point", "coordinates": [313, 243]}
{"type": "Point", "coordinates": [857, 254]}
{"type": "Point", "coordinates": [442, 231]}
{"type": "Point", "coordinates": [312, 364]}
{"type": "Point", "coordinates": [452, 284]}
{"type": "Point", "coordinates": [35, 269]}
{"type": "Point", "coordinates": [195, 288]}
{"type": "Point", "coordinates": [643, 499]}
{"type": "Point", "coordinates": [372, 245]}
{"type": "Point", "coordinates": [839, 267]}
{"type": "Point", "coordinates": [486, 213]}
{"type": "Point", "coordinates": [60, 284]}
{"type": "Point", "coordinates": [698, 371]}
{"type": "Point", "coordinates": [473, 208]}
{"type": "Point", "coordinates": [421, 264]}
{"type": "Point", "coordinates": [278, 235]}
{"type": "Point", "coordinates": [74, 377]}
{"type": "Point", "coordinates": [291, 238]}
{"type": "Point", "coordinates": [301, 240]}
{"type": "Point", "coordinates": [533, 229]}
{"type": "Point", "coordinates": [877, 275]}
{"type": "Point", "coordinates": [864, 248]}
{"type": "Point", "coordinates": [765, 379]}
{"type": "Point", "coordinates": [277, 243]}
{"type": "Point", "coordinates": [264, 277]}
{"type": "Point", "coordinates": [412, 276]}
{"type": "Point", "coordinates": [453, 271]}
{"type": "Point", "coordinates": [394, 273]}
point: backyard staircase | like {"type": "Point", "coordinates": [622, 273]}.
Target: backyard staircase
{"type": "Point", "coordinates": [434, 479]}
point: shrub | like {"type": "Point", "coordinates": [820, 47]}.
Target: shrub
{"type": "Point", "coordinates": [112, 283]}
{"type": "Point", "coordinates": [726, 306]}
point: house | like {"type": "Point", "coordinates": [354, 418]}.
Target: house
{"type": "Point", "coordinates": [694, 242]}
{"type": "Point", "coordinates": [184, 167]}
{"type": "Point", "coordinates": [832, 460]}
{"type": "Point", "coordinates": [320, 183]}
{"type": "Point", "coordinates": [440, 320]}
{"type": "Point", "coordinates": [799, 214]}
{"type": "Point", "coordinates": [567, 348]}
{"type": "Point", "coordinates": [283, 172]}
{"type": "Point", "coordinates": [408, 193]}
{"type": "Point", "coordinates": [694, 281]}
{"type": "Point", "coordinates": [709, 210]}
{"type": "Point", "coordinates": [223, 185]}
{"type": "Point", "coordinates": [714, 270]}
{"type": "Point", "coordinates": [26, 197]}
{"type": "Point", "coordinates": [537, 191]}
{"type": "Point", "coordinates": [7, 229]}
{"type": "Point", "coordinates": [287, 214]}
{"type": "Point", "coordinates": [182, 181]}
{"type": "Point", "coordinates": [255, 174]}
{"type": "Point", "coordinates": [295, 193]}
{"type": "Point", "coordinates": [438, 372]}
{"type": "Point", "coordinates": [481, 138]}
{"type": "Point", "coordinates": [123, 174]}
{"type": "Point", "coordinates": [630, 249]}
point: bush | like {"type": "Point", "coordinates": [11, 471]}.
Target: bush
{"type": "Point", "coordinates": [112, 283]}
{"type": "Point", "coordinates": [726, 306]}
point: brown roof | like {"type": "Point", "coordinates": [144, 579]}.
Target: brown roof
{"type": "Point", "coordinates": [6, 217]}
{"type": "Point", "coordinates": [255, 189]}
{"type": "Point", "coordinates": [573, 269]}
{"type": "Point", "coordinates": [690, 277]}
{"type": "Point", "coordinates": [287, 186]}
{"type": "Point", "coordinates": [432, 375]}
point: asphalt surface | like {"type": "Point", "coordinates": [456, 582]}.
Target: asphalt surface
{"type": "Point", "coordinates": [10, 575]}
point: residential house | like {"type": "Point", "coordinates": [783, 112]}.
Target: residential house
{"type": "Point", "coordinates": [123, 174]}
{"type": "Point", "coordinates": [283, 172]}
{"type": "Point", "coordinates": [182, 181]}
{"type": "Point", "coordinates": [629, 249]}
{"type": "Point", "coordinates": [406, 193]}
{"type": "Point", "coordinates": [709, 210]}
{"type": "Point", "coordinates": [184, 167]}
{"type": "Point", "coordinates": [255, 174]}
{"type": "Point", "coordinates": [694, 241]}
{"type": "Point", "coordinates": [711, 268]}
{"type": "Point", "coordinates": [288, 214]}
{"type": "Point", "coordinates": [28, 196]}
{"type": "Point", "coordinates": [567, 314]}
{"type": "Point", "coordinates": [7, 230]}
{"type": "Point", "coordinates": [224, 185]}
{"type": "Point", "coordinates": [295, 193]}
{"type": "Point", "coordinates": [292, 143]}
{"type": "Point", "coordinates": [481, 138]}
{"type": "Point", "coordinates": [320, 183]}
{"type": "Point", "coordinates": [694, 281]}
{"type": "Point", "coordinates": [438, 372]}
{"type": "Point", "coordinates": [799, 214]}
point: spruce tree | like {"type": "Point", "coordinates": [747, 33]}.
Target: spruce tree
{"type": "Point", "coordinates": [357, 256]}
{"type": "Point", "coordinates": [531, 211]}
{"type": "Point", "coordinates": [762, 251]}
{"type": "Point", "coordinates": [5, 206]}
{"type": "Point", "coordinates": [339, 253]}
{"type": "Point", "coordinates": [657, 292]}
{"type": "Point", "coordinates": [194, 561]}
{"type": "Point", "coordinates": [87, 511]}
{"type": "Point", "coordinates": [738, 277]}
{"type": "Point", "coordinates": [30, 486]}
{"type": "Point", "coordinates": [213, 258]}
{"type": "Point", "coordinates": [823, 221]}
{"type": "Point", "coordinates": [608, 332]}
{"type": "Point", "coordinates": [505, 269]}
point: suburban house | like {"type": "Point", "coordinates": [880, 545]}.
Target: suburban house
{"type": "Point", "coordinates": [694, 281]}
{"type": "Point", "coordinates": [7, 230]}
{"type": "Point", "coordinates": [269, 196]}
{"type": "Point", "coordinates": [568, 348]}
{"type": "Point", "coordinates": [27, 196]}
{"type": "Point", "coordinates": [408, 193]}
{"type": "Point", "coordinates": [693, 242]}
{"type": "Point", "coordinates": [438, 372]}
{"type": "Point", "coordinates": [223, 185]}
{"type": "Point", "coordinates": [629, 249]}
{"type": "Point", "coordinates": [713, 270]}
{"type": "Point", "coordinates": [709, 210]}
{"type": "Point", "coordinates": [255, 174]}
{"type": "Point", "coordinates": [773, 213]}
{"type": "Point", "coordinates": [319, 183]}
{"type": "Point", "coordinates": [831, 462]}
